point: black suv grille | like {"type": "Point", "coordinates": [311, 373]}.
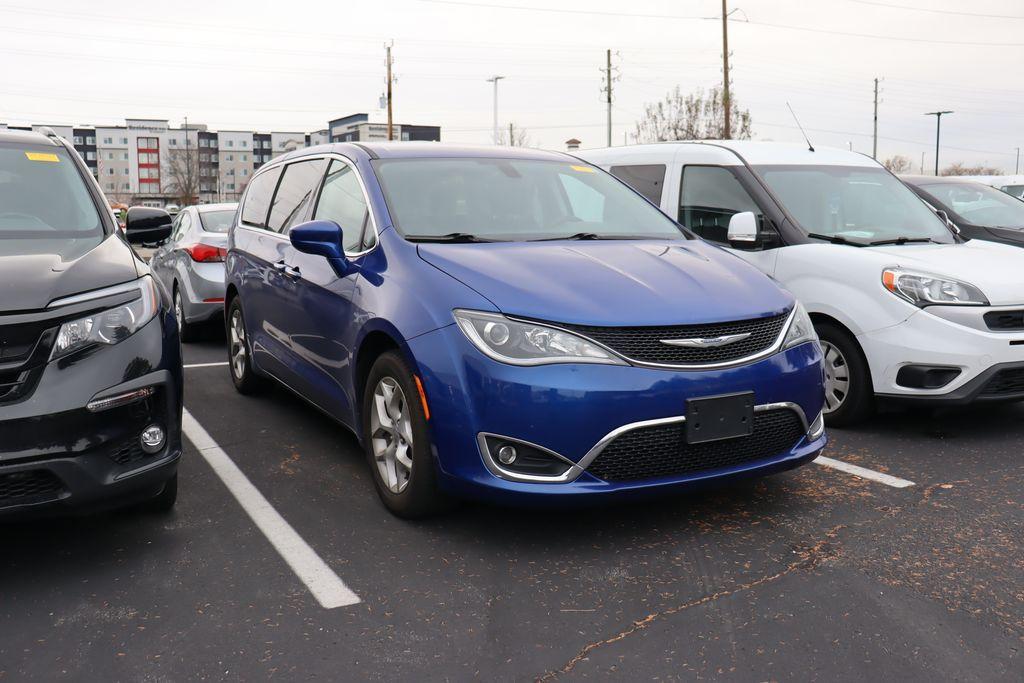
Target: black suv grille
{"type": "Point", "coordinates": [643, 344]}
{"type": "Point", "coordinates": [32, 486]}
{"type": "Point", "coordinates": [662, 451]}
{"type": "Point", "coordinates": [1005, 382]}
{"type": "Point", "coordinates": [24, 347]}
{"type": "Point", "coordinates": [1005, 320]}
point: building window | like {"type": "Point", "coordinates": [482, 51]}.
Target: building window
{"type": "Point", "coordinates": [204, 143]}
{"type": "Point", "coordinates": [245, 157]}
{"type": "Point", "coordinates": [110, 156]}
{"type": "Point", "coordinates": [174, 142]}
{"type": "Point", "coordinates": [124, 156]}
{"type": "Point", "coordinates": [77, 139]}
{"type": "Point", "coordinates": [110, 186]}
{"type": "Point", "coordinates": [229, 157]}
{"type": "Point", "coordinates": [110, 171]}
{"type": "Point", "coordinates": [108, 141]}
{"type": "Point", "coordinates": [126, 171]}
{"type": "Point", "coordinates": [245, 172]}
{"type": "Point", "coordinates": [90, 140]}
{"type": "Point", "coordinates": [126, 186]}
{"type": "Point", "coordinates": [244, 143]}
{"type": "Point", "coordinates": [231, 143]}
{"type": "Point", "coordinates": [91, 156]}
{"type": "Point", "coordinates": [124, 141]}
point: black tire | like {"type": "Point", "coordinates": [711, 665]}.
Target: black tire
{"type": "Point", "coordinates": [188, 332]}
{"type": "Point", "coordinates": [164, 501]}
{"type": "Point", "coordinates": [246, 379]}
{"type": "Point", "coordinates": [858, 402]}
{"type": "Point", "coordinates": [420, 496]}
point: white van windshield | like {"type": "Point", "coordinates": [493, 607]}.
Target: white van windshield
{"type": "Point", "coordinates": [855, 204]}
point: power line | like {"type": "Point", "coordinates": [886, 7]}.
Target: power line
{"type": "Point", "coordinates": [937, 11]}
{"type": "Point", "coordinates": [875, 36]}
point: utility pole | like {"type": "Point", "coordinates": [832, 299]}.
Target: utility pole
{"type": "Point", "coordinates": [938, 130]}
{"type": "Point", "coordinates": [511, 135]}
{"type": "Point", "coordinates": [188, 165]}
{"type": "Point", "coordinates": [494, 80]}
{"type": "Point", "coordinates": [391, 134]}
{"type": "Point", "coordinates": [1016, 166]}
{"type": "Point", "coordinates": [874, 144]}
{"type": "Point", "coordinates": [922, 163]}
{"type": "Point", "coordinates": [608, 83]}
{"type": "Point", "coordinates": [726, 103]}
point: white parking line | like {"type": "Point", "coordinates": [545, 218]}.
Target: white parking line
{"type": "Point", "coordinates": [864, 473]}
{"type": "Point", "coordinates": [206, 365]}
{"type": "Point", "coordinates": [319, 578]}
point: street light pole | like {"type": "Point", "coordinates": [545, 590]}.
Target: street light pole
{"type": "Point", "coordinates": [494, 80]}
{"type": "Point", "coordinates": [938, 129]}
{"type": "Point", "coordinates": [1016, 166]}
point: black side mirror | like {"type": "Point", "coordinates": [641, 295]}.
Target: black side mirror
{"type": "Point", "coordinates": [147, 225]}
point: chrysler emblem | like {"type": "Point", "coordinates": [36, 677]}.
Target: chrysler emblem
{"type": "Point", "coordinates": [706, 342]}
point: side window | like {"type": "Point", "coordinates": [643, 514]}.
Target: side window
{"type": "Point", "coordinates": [258, 196]}
{"type": "Point", "coordinates": [295, 193]}
{"type": "Point", "coordinates": [709, 198]}
{"type": "Point", "coordinates": [184, 223]}
{"type": "Point", "coordinates": [587, 204]}
{"type": "Point", "coordinates": [647, 179]}
{"type": "Point", "coordinates": [342, 201]}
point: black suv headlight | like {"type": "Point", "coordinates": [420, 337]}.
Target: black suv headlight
{"type": "Point", "coordinates": [110, 326]}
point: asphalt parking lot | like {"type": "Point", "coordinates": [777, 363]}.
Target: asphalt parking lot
{"type": "Point", "coordinates": [811, 574]}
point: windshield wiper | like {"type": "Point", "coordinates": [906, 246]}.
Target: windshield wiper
{"type": "Point", "coordinates": [575, 236]}
{"type": "Point", "coordinates": [458, 237]}
{"type": "Point", "coordinates": [902, 240]}
{"type": "Point", "coordinates": [836, 239]}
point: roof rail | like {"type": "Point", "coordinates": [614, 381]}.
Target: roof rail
{"type": "Point", "coordinates": [49, 132]}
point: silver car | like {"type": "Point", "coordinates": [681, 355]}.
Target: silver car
{"type": "Point", "coordinates": [191, 264]}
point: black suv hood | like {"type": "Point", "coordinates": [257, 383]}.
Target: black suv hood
{"type": "Point", "coordinates": [29, 281]}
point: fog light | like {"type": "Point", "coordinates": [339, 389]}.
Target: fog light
{"type": "Point", "coordinates": [507, 454]}
{"type": "Point", "coordinates": [152, 438]}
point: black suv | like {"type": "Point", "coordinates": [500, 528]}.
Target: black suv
{"type": "Point", "coordinates": [90, 362]}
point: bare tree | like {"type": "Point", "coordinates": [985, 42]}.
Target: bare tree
{"type": "Point", "coordinates": [697, 116]}
{"type": "Point", "coordinates": [959, 168]}
{"type": "Point", "coordinates": [183, 175]}
{"type": "Point", "coordinates": [899, 164]}
{"type": "Point", "coordinates": [514, 136]}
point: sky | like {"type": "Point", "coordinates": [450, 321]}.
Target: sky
{"type": "Point", "coordinates": [292, 66]}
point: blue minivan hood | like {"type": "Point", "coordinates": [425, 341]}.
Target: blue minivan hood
{"type": "Point", "coordinates": [612, 283]}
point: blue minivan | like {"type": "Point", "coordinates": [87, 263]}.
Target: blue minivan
{"type": "Point", "coordinates": [513, 325]}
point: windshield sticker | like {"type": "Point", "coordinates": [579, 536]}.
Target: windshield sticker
{"type": "Point", "coordinates": [42, 156]}
{"type": "Point", "coordinates": [583, 169]}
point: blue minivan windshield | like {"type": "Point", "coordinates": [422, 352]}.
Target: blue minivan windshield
{"type": "Point", "coordinates": [44, 202]}
{"type": "Point", "coordinates": [855, 204]}
{"type": "Point", "coordinates": [484, 199]}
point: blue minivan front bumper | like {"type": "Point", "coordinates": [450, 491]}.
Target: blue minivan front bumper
{"type": "Point", "coordinates": [570, 408]}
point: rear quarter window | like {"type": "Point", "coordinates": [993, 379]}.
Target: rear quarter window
{"type": "Point", "coordinates": [256, 205]}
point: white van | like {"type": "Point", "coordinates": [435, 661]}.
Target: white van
{"type": "Point", "coordinates": [906, 309]}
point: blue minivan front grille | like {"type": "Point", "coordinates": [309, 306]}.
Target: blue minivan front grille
{"type": "Point", "coordinates": [646, 344]}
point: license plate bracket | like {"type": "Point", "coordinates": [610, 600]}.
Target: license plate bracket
{"type": "Point", "coordinates": [716, 418]}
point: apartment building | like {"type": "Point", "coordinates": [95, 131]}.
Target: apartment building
{"type": "Point", "coordinates": [147, 161]}
{"type": "Point", "coordinates": [359, 128]}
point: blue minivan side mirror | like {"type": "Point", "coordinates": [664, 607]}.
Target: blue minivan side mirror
{"type": "Point", "coordinates": [321, 238]}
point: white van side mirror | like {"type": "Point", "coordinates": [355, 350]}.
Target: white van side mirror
{"type": "Point", "coordinates": [743, 227]}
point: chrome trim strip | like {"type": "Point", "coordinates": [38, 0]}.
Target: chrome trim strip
{"type": "Point", "coordinates": [774, 348]}
{"type": "Point", "coordinates": [497, 470]}
{"type": "Point", "coordinates": [587, 459]}
{"type": "Point", "coordinates": [98, 293]}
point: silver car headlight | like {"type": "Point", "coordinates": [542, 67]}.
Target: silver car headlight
{"type": "Point", "coordinates": [110, 326]}
{"type": "Point", "coordinates": [521, 343]}
{"type": "Point", "coordinates": [801, 329]}
{"type": "Point", "coordinates": [924, 289]}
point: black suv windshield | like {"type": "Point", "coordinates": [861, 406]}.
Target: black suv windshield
{"type": "Point", "coordinates": [859, 204]}
{"type": "Point", "coordinates": [45, 204]}
{"type": "Point", "coordinates": [480, 199]}
{"type": "Point", "coordinates": [979, 204]}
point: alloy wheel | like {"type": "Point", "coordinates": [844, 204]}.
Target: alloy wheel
{"type": "Point", "coordinates": [179, 311]}
{"type": "Point", "coordinates": [837, 377]}
{"type": "Point", "coordinates": [391, 434]}
{"type": "Point", "coordinates": [239, 351]}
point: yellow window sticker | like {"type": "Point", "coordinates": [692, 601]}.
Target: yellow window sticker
{"type": "Point", "coordinates": [42, 156]}
{"type": "Point", "coordinates": [583, 169]}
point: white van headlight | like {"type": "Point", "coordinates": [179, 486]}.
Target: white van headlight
{"type": "Point", "coordinates": [523, 343]}
{"type": "Point", "coordinates": [801, 329]}
{"type": "Point", "coordinates": [924, 289]}
{"type": "Point", "coordinates": [109, 326]}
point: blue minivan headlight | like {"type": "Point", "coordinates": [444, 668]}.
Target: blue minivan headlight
{"type": "Point", "coordinates": [525, 343]}
{"type": "Point", "coordinates": [109, 326]}
{"type": "Point", "coordinates": [801, 329]}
